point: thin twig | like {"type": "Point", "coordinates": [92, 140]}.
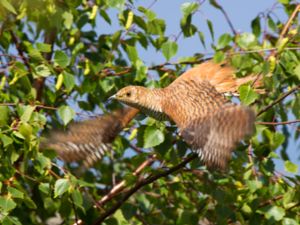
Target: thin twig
{"type": "Point", "coordinates": [289, 22]}
{"type": "Point", "coordinates": [120, 186]}
{"type": "Point", "coordinates": [270, 201]}
{"type": "Point", "coordinates": [20, 50]}
{"type": "Point", "coordinates": [278, 123]}
{"type": "Point", "coordinates": [278, 100]}
{"type": "Point", "coordinates": [37, 106]}
{"type": "Point", "coordinates": [226, 17]}
{"type": "Point", "coordinates": [250, 158]}
{"type": "Point", "coordinates": [141, 184]}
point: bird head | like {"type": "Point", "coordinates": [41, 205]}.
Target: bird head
{"type": "Point", "coordinates": [130, 95]}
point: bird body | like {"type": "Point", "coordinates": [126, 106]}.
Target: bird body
{"type": "Point", "coordinates": [195, 101]}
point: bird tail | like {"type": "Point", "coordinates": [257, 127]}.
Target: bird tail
{"type": "Point", "coordinates": [89, 140]}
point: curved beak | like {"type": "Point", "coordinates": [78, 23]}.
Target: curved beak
{"type": "Point", "coordinates": [111, 98]}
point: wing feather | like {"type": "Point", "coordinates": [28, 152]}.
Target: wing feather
{"type": "Point", "coordinates": [89, 140]}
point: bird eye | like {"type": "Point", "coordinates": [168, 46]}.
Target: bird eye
{"type": "Point", "coordinates": [128, 94]}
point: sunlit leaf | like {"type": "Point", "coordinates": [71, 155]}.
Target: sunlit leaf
{"type": "Point", "coordinates": [66, 113]}
{"type": "Point", "coordinates": [153, 137]}
{"type": "Point", "coordinates": [61, 186]}
{"type": "Point", "coordinates": [61, 59]}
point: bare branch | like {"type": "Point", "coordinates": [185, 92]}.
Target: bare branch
{"type": "Point", "coordinates": [141, 184]}
{"type": "Point", "coordinates": [20, 50]}
{"type": "Point", "coordinates": [120, 186]}
{"type": "Point", "coordinates": [278, 100]}
{"type": "Point", "coordinates": [278, 123]}
{"type": "Point", "coordinates": [289, 22]}
{"type": "Point", "coordinates": [217, 5]}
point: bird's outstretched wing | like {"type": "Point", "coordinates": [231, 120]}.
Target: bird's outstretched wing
{"type": "Point", "coordinates": [207, 121]}
{"type": "Point", "coordinates": [88, 140]}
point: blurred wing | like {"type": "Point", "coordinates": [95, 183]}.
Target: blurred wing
{"type": "Point", "coordinates": [215, 136]}
{"type": "Point", "coordinates": [89, 140]}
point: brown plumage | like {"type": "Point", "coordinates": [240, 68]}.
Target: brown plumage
{"type": "Point", "coordinates": [195, 102]}
{"type": "Point", "coordinates": [89, 140]}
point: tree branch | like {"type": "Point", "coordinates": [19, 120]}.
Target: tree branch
{"type": "Point", "coordinates": [217, 5]}
{"type": "Point", "coordinates": [278, 100]}
{"type": "Point", "coordinates": [20, 50]}
{"type": "Point", "coordinates": [141, 184]}
{"type": "Point", "coordinates": [120, 186]}
{"type": "Point", "coordinates": [289, 22]}
{"type": "Point", "coordinates": [278, 123]}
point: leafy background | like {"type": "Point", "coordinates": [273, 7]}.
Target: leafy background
{"type": "Point", "coordinates": [61, 60]}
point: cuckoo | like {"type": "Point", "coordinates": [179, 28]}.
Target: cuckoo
{"type": "Point", "coordinates": [195, 101]}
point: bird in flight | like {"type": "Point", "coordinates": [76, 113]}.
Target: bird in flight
{"type": "Point", "coordinates": [195, 101]}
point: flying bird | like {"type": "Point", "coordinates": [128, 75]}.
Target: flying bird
{"type": "Point", "coordinates": [195, 101]}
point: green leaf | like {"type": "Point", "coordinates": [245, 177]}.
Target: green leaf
{"type": "Point", "coordinates": [156, 27]}
{"type": "Point", "coordinates": [45, 188]}
{"type": "Point", "coordinates": [284, 1]}
{"type": "Point", "coordinates": [4, 112]}
{"type": "Point", "coordinates": [15, 193]}
{"type": "Point", "coordinates": [254, 185]}
{"type": "Point", "coordinates": [169, 49]}
{"type": "Point", "coordinates": [150, 14]}
{"type": "Point", "coordinates": [247, 94]}
{"type": "Point", "coordinates": [8, 220]}
{"type": "Point", "coordinates": [29, 203]}
{"type": "Point", "coordinates": [61, 59]}
{"type": "Point", "coordinates": [128, 210]}
{"type": "Point", "coordinates": [219, 57]}
{"type": "Point", "coordinates": [26, 130]}
{"type": "Point", "coordinates": [119, 4]}
{"type": "Point", "coordinates": [42, 47]}
{"type": "Point", "coordinates": [277, 140]}
{"type": "Point", "coordinates": [8, 6]}
{"type": "Point", "coordinates": [202, 38]}
{"type": "Point", "coordinates": [132, 53]}
{"type": "Point", "coordinates": [6, 140]}
{"type": "Point", "coordinates": [153, 137]}
{"type": "Point", "coordinates": [211, 29]}
{"type": "Point", "coordinates": [69, 81]}
{"type": "Point", "coordinates": [77, 198]}
{"type": "Point", "coordinates": [60, 187]}
{"type": "Point", "coordinates": [188, 8]}
{"type": "Point", "coordinates": [224, 41]}
{"type": "Point", "coordinates": [275, 212]}
{"type": "Point", "coordinates": [66, 113]}
{"type": "Point", "coordinates": [289, 221]}
{"type": "Point", "coordinates": [297, 71]}
{"type": "Point", "coordinates": [68, 19]}
{"type": "Point", "coordinates": [28, 110]}
{"type": "Point", "coordinates": [141, 71]}
{"type": "Point", "coordinates": [42, 71]}
{"type": "Point", "coordinates": [118, 215]}
{"type": "Point", "coordinates": [7, 204]}
{"type": "Point", "coordinates": [290, 167]}
{"type": "Point", "coordinates": [246, 40]}
{"type": "Point", "coordinates": [255, 24]}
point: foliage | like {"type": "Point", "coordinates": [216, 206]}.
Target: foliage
{"type": "Point", "coordinates": [55, 62]}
